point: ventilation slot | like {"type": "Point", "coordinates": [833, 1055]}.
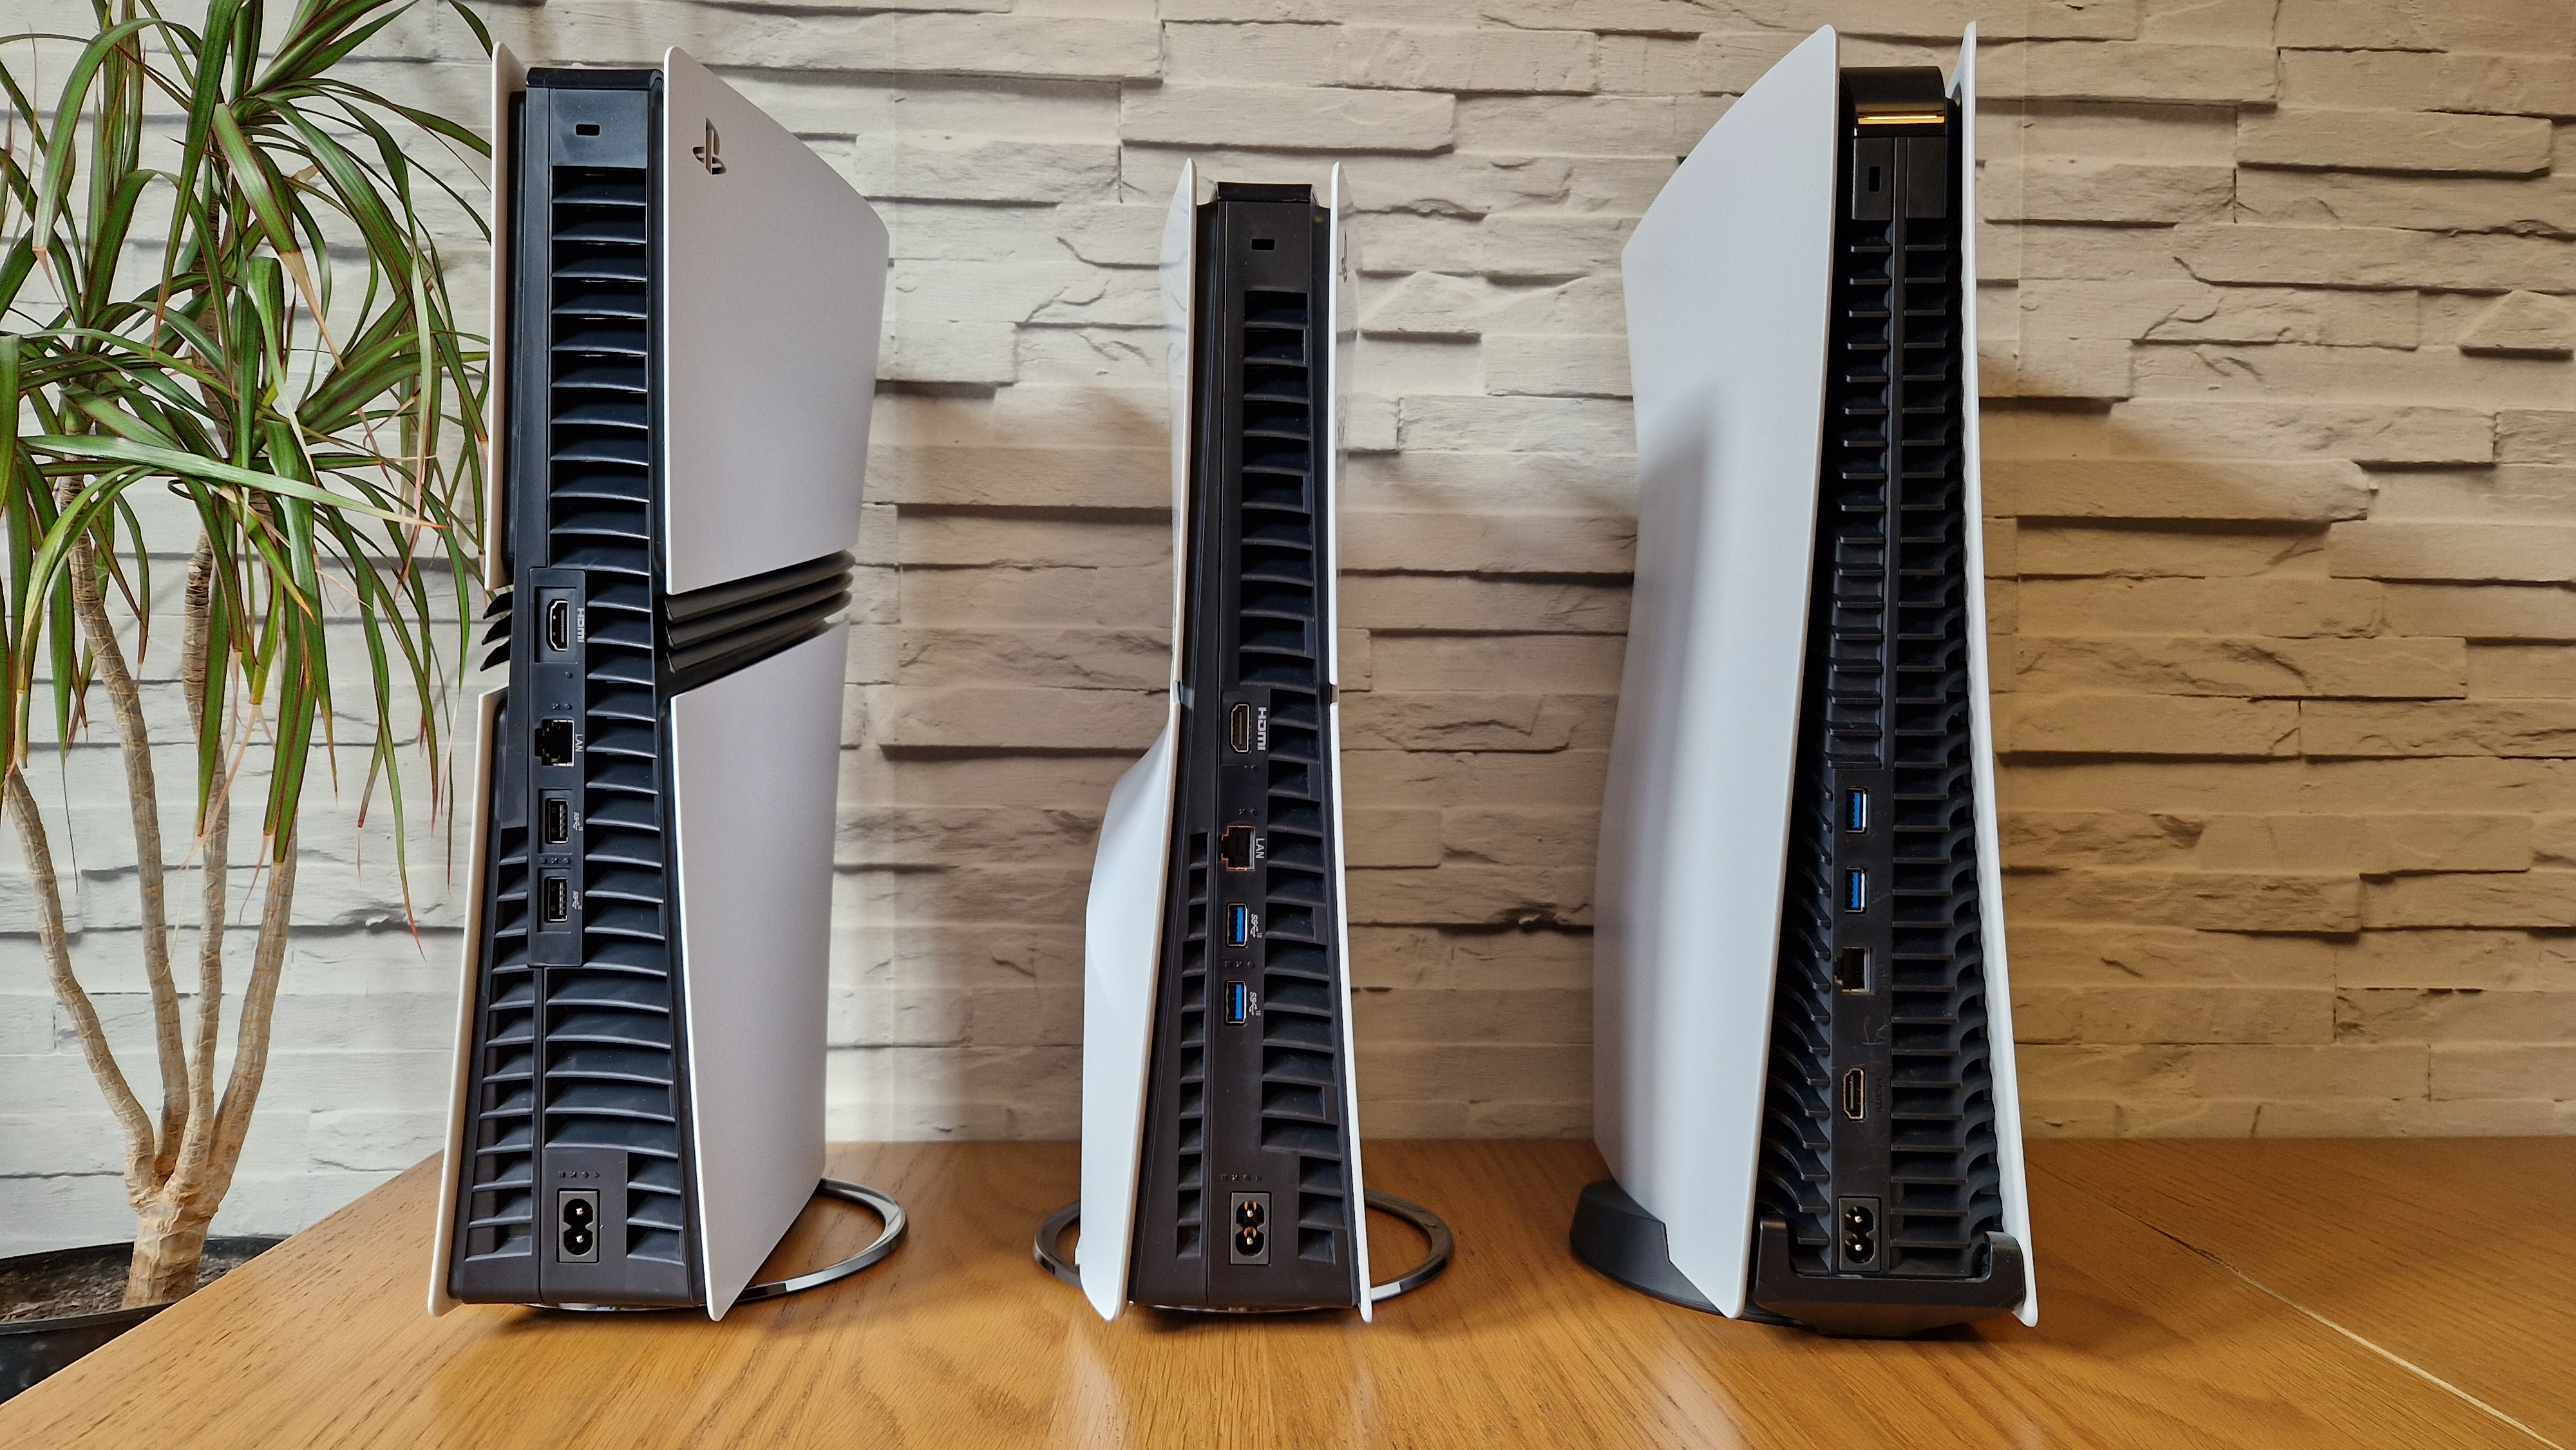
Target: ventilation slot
{"type": "Point", "coordinates": [1191, 1222]}
{"type": "Point", "coordinates": [502, 1175]}
{"type": "Point", "coordinates": [1889, 640]}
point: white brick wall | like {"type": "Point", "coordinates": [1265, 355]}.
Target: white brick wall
{"type": "Point", "coordinates": [2280, 424]}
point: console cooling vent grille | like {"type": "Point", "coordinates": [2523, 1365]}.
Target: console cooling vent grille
{"type": "Point", "coordinates": [1278, 645]}
{"type": "Point", "coordinates": [1888, 639]}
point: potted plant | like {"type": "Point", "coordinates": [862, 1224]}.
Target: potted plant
{"type": "Point", "coordinates": [243, 309]}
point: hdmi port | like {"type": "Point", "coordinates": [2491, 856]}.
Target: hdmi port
{"type": "Point", "coordinates": [1238, 730]}
{"type": "Point", "coordinates": [1855, 1095]}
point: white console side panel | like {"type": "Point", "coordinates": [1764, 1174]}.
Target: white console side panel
{"type": "Point", "coordinates": [509, 80]}
{"type": "Point", "coordinates": [474, 795]}
{"type": "Point", "coordinates": [1337, 288]}
{"type": "Point", "coordinates": [773, 290]}
{"type": "Point", "coordinates": [1122, 946]}
{"type": "Point", "coordinates": [755, 770]}
{"type": "Point", "coordinates": [1981, 714]}
{"type": "Point", "coordinates": [1728, 289]}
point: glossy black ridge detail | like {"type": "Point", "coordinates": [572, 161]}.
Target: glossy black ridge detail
{"type": "Point", "coordinates": [715, 631]}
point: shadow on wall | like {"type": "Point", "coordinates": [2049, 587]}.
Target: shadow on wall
{"type": "Point", "coordinates": [1010, 665]}
{"type": "Point", "coordinates": [2283, 694]}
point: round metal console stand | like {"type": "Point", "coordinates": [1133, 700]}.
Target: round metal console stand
{"type": "Point", "coordinates": [1444, 1245]}
{"type": "Point", "coordinates": [887, 1237]}
{"type": "Point", "coordinates": [868, 1198]}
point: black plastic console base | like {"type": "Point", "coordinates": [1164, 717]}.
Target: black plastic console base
{"type": "Point", "coordinates": [1617, 1236]}
{"type": "Point", "coordinates": [1882, 1306]}
{"type": "Point", "coordinates": [1614, 1234]}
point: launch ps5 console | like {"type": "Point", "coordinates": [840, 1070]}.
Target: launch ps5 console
{"type": "Point", "coordinates": [1803, 1041]}
{"type": "Point", "coordinates": [684, 349]}
{"type": "Point", "coordinates": [1220, 1149]}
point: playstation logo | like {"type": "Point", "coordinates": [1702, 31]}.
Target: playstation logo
{"type": "Point", "coordinates": [711, 155]}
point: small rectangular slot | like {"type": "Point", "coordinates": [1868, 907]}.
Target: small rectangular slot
{"type": "Point", "coordinates": [1265, 244]}
{"type": "Point", "coordinates": [1856, 810]}
{"type": "Point", "coordinates": [557, 892]}
{"type": "Point", "coordinates": [554, 821]}
{"type": "Point", "coordinates": [554, 742]}
{"type": "Point", "coordinates": [558, 626]}
{"type": "Point", "coordinates": [1234, 847]}
{"type": "Point", "coordinates": [1873, 179]}
{"type": "Point", "coordinates": [1851, 969]}
{"type": "Point", "coordinates": [1855, 890]}
{"type": "Point", "coordinates": [1238, 1001]}
{"type": "Point", "coordinates": [1855, 1095]}
{"type": "Point", "coordinates": [1238, 925]}
{"type": "Point", "coordinates": [1238, 729]}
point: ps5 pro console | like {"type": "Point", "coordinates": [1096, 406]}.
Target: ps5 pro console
{"type": "Point", "coordinates": [687, 304]}
{"type": "Point", "coordinates": [1803, 1041]}
{"type": "Point", "coordinates": [1220, 1142]}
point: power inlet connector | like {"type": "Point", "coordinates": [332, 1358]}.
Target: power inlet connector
{"type": "Point", "coordinates": [577, 1225]}
{"type": "Point", "coordinates": [1856, 1234]}
{"type": "Point", "coordinates": [1248, 1229]}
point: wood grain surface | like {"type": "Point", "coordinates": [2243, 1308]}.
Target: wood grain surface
{"type": "Point", "coordinates": [2457, 1255]}
{"type": "Point", "coordinates": [2144, 1339]}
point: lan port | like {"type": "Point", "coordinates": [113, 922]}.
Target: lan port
{"type": "Point", "coordinates": [1234, 848]}
{"type": "Point", "coordinates": [554, 742]}
{"type": "Point", "coordinates": [1851, 969]}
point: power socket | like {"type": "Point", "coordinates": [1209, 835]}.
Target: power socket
{"type": "Point", "coordinates": [1247, 1228]}
{"type": "Point", "coordinates": [577, 1226]}
{"type": "Point", "coordinates": [1857, 1232]}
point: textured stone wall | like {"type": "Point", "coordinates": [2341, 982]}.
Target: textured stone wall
{"type": "Point", "coordinates": [2281, 436]}
{"type": "Point", "coordinates": [2283, 504]}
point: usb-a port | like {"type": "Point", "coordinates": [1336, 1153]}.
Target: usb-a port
{"type": "Point", "coordinates": [554, 820]}
{"type": "Point", "coordinates": [1238, 925]}
{"type": "Point", "coordinates": [1238, 1002]}
{"type": "Point", "coordinates": [1855, 891]}
{"type": "Point", "coordinates": [557, 892]}
{"type": "Point", "coordinates": [1856, 810]}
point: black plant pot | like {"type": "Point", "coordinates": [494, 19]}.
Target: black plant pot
{"type": "Point", "coordinates": [31, 1349]}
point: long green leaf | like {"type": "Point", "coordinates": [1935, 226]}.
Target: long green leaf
{"type": "Point", "coordinates": [189, 465]}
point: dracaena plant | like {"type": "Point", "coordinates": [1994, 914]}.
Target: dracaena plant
{"type": "Point", "coordinates": [217, 286]}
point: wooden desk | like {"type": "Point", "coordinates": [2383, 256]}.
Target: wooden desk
{"type": "Point", "coordinates": [2176, 1310]}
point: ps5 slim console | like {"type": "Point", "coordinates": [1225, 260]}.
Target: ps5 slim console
{"type": "Point", "coordinates": [684, 350]}
{"type": "Point", "coordinates": [1803, 1040]}
{"type": "Point", "coordinates": [1220, 1139]}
